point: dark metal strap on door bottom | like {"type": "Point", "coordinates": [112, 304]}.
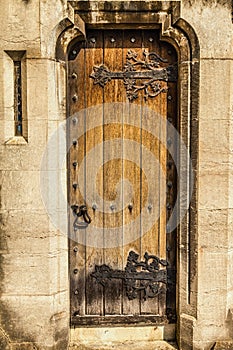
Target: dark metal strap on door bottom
{"type": "Point", "coordinates": [148, 280]}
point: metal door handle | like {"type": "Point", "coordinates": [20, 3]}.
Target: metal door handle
{"type": "Point", "coordinates": [81, 211]}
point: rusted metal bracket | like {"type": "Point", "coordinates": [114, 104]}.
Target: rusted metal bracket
{"type": "Point", "coordinates": [138, 276]}
{"type": "Point", "coordinates": [136, 69]}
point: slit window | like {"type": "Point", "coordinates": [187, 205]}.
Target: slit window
{"type": "Point", "coordinates": [17, 94]}
{"type": "Point", "coordinates": [18, 98]}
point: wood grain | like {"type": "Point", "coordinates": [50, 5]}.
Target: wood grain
{"type": "Point", "coordinates": [94, 248]}
{"type": "Point", "coordinates": [139, 123]}
{"type": "Point", "coordinates": [112, 171]}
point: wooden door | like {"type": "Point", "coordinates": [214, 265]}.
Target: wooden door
{"type": "Point", "coordinates": [122, 90]}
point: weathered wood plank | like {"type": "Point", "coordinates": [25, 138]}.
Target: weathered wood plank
{"type": "Point", "coordinates": [150, 162]}
{"type": "Point", "coordinates": [94, 180]}
{"type": "Point", "coordinates": [76, 155]}
{"type": "Point", "coordinates": [112, 171]}
{"type": "Point", "coordinates": [132, 171]}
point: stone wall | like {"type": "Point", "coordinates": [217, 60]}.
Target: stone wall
{"type": "Point", "coordinates": [211, 21]}
{"type": "Point", "coordinates": [34, 272]}
{"type": "Point", "coordinates": [34, 289]}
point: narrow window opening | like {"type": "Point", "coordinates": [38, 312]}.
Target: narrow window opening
{"type": "Point", "coordinates": [18, 98]}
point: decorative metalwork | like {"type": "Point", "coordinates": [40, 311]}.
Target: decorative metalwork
{"type": "Point", "coordinates": [137, 69]}
{"type": "Point", "coordinates": [145, 277]}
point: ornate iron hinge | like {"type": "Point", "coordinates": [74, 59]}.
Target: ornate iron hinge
{"type": "Point", "coordinates": [148, 280]}
{"type": "Point", "coordinates": [135, 70]}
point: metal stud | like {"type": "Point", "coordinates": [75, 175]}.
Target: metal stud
{"type": "Point", "coordinates": [169, 206]}
{"type": "Point", "coordinates": [112, 40]}
{"type": "Point", "coordinates": [93, 40]}
{"type": "Point", "coordinates": [74, 120]}
{"type": "Point", "coordinates": [169, 98]}
{"type": "Point", "coordinates": [75, 249]}
{"type": "Point", "coordinates": [151, 40]}
{"type": "Point", "coordinates": [74, 142]}
{"type": "Point", "coordinates": [132, 40]}
{"type": "Point", "coordinates": [75, 271]}
{"type": "Point", "coordinates": [74, 76]}
{"type": "Point", "coordinates": [112, 207]}
{"type": "Point", "coordinates": [94, 206]}
{"type": "Point", "coordinates": [76, 292]}
{"type": "Point", "coordinates": [130, 206]}
{"type": "Point", "coordinates": [169, 142]}
{"type": "Point", "coordinates": [149, 207]}
{"type": "Point", "coordinates": [75, 185]}
{"type": "Point", "coordinates": [169, 184]}
{"type": "Point", "coordinates": [74, 98]}
{"type": "Point", "coordinates": [74, 52]}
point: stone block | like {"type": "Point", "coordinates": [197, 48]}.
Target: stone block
{"type": "Point", "coordinates": [25, 223]}
{"type": "Point", "coordinates": [214, 138]}
{"type": "Point", "coordinates": [213, 230]}
{"type": "Point", "coordinates": [20, 312]}
{"type": "Point", "coordinates": [223, 345]}
{"type": "Point", "coordinates": [212, 275]}
{"type": "Point", "coordinates": [24, 190]}
{"type": "Point", "coordinates": [37, 86]}
{"type": "Point", "coordinates": [21, 23]}
{"type": "Point", "coordinates": [27, 274]}
{"type": "Point", "coordinates": [215, 91]}
{"type": "Point", "coordinates": [213, 191]}
{"type": "Point", "coordinates": [185, 337]}
{"type": "Point", "coordinates": [118, 335]}
{"type": "Point", "coordinates": [128, 345]}
{"type": "Point", "coordinates": [211, 20]}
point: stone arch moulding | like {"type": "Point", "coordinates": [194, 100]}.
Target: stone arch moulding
{"type": "Point", "coordinates": [175, 30]}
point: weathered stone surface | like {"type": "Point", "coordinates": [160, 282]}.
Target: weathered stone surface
{"type": "Point", "coordinates": [211, 21]}
{"type": "Point", "coordinates": [158, 345]}
{"type": "Point", "coordinates": [122, 334]}
{"type": "Point", "coordinates": [34, 259]}
{"type": "Point", "coordinates": [225, 345]}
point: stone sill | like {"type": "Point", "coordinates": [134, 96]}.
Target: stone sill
{"type": "Point", "coordinates": [16, 141]}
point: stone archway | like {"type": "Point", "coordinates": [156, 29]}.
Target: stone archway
{"type": "Point", "coordinates": [177, 32]}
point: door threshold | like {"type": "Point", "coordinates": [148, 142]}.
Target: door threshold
{"type": "Point", "coordinates": [125, 337]}
{"type": "Point", "coordinates": [128, 345]}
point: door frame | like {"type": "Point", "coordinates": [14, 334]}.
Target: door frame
{"type": "Point", "coordinates": [166, 16]}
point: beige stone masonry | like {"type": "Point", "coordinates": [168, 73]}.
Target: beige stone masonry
{"type": "Point", "coordinates": [34, 287]}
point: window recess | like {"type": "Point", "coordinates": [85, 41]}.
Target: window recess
{"type": "Point", "coordinates": [18, 93]}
